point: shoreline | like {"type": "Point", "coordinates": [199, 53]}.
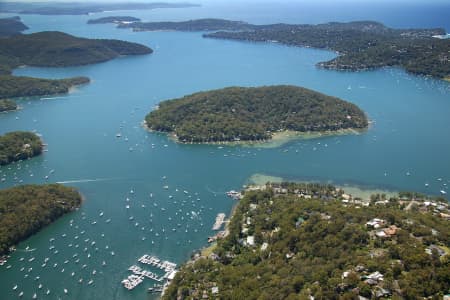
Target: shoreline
{"type": "Point", "coordinates": [278, 138]}
{"type": "Point", "coordinates": [355, 190]}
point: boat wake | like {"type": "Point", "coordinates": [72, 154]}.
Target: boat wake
{"type": "Point", "coordinates": [84, 180]}
{"type": "Point", "coordinates": [26, 250]}
{"type": "Point", "coordinates": [215, 193]}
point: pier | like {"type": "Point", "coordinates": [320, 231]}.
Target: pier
{"type": "Point", "coordinates": [165, 265]}
{"type": "Point", "coordinates": [132, 281]}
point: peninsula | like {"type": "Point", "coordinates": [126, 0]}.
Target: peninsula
{"type": "Point", "coordinates": [81, 8]}
{"type": "Point", "coordinates": [7, 105]}
{"type": "Point", "coordinates": [252, 114]}
{"type": "Point", "coordinates": [19, 145]}
{"type": "Point", "coordinates": [54, 49]}
{"type": "Point", "coordinates": [360, 45]}
{"type": "Point", "coordinates": [21, 86]}
{"type": "Point", "coordinates": [305, 241]}
{"type": "Point", "coordinates": [26, 209]}
{"type": "Point", "coordinates": [113, 19]}
{"type": "Point", "coordinates": [11, 26]}
{"type": "Point", "coordinates": [191, 25]}
{"type": "Point", "coordinates": [58, 49]}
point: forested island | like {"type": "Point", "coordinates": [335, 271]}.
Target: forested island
{"type": "Point", "coordinates": [7, 105]}
{"type": "Point", "coordinates": [312, 241]}
{"type": "Point", "coordinates": [19, 145]}
{"type": "Point", "coordinates": [252, 114]}
{"type": "Point", "coordinates": [11, 26]}
{"type": "Point", "coordinates": [24, 210]}
{"type": "Point", "coordinates": [360, 45]}
{"type": "Point", "coordinates": [113, 19]}
{"type": "Point", "coordinates": [81, 8]}
{"type": "Point", "coordinates": [54, 49]}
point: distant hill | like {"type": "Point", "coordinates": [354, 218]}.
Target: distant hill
{"type": "Point", "coordinates": [191, 25]}
{"type": "Point", "coordinates": [81, 8]}
{"type": "Point", "coordinates": [252, 114]}
{"type": "Point", "coordinates": [11, 26]}
{"type": "Point", "coordinates": [113, 19]}
{"type": "Point", "coordinates": [360, 45]}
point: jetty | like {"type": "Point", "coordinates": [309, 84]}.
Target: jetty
{"type": "Point", "coordinates": [132, 281]}
{"type": "Point", "coordinates": [138, 271]}
{"type": "Point", "coordinates": [220, 219]}
{"type": "Point", "coordinates": [165, 265]}
{"type": "Point", "coordinates": [234, 195]}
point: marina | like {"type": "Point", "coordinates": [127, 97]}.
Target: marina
{"type": "Point", "coordinates": [139, 274]}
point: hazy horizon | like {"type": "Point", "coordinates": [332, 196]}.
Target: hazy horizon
{"type": "Point", "coordinates": [245, 1]}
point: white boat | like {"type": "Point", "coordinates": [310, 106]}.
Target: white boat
{"type": "Point", "coordinates": [443, 192]}
{"type": "Point", "coordinates": [40, 286]}
{"type": "Point", "coordinates": [15, 287]}
{"type": "Point", "coordinates": [34, 296]}
{"type": "Point", "coordinates": [101, 214]}
{"type": "Point", "coordinates": [47, 292]}
{"type": "Point", "coordinates": [90, 282]}
{"type": "Point", "coordinates": [65, 291]}
{"type": "Point", "coordinates": [20, 294]}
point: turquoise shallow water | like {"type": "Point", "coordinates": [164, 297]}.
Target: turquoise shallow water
{"type": "Point", "coordinates": [409, 134]}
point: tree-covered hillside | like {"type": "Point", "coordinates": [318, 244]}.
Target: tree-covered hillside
{"type": "Point", "coordinates": [24, 210]}
{"type": "Point", "coordinates": [298, 241]}
{"type": "Point", "coordinates": [239, 113]}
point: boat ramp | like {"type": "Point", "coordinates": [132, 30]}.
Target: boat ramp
{"type": "Point", "coordinates": [220, 219]}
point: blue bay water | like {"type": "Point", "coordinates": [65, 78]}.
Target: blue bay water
{"type": "Point", "coordinates": [409, 134]}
